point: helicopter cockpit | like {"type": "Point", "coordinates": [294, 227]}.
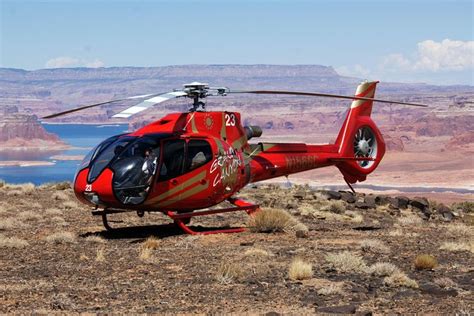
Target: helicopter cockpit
{"type": "Point", "coordinates": [138, 162]}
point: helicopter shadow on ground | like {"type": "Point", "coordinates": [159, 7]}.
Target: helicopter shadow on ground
{"type": "Point", "coordinates": [143, 232]}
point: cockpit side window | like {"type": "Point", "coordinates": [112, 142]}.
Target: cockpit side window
{"type": "Point", "coordinates": [173, 159]}
{"type": "Point", "coordinates": [199, 153]}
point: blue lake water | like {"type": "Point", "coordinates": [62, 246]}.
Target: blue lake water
{"type": "Point", "coordinates": [82, 137]}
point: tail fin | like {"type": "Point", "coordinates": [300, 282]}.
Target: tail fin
{"type": "Point", "coordinates": [359, 139]}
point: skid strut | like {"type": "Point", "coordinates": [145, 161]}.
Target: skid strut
{"type": "Point", "coordinates": [240, 205]}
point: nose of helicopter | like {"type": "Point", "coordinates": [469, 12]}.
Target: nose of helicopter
{"type": "Point", "coordinates": [97, 193]}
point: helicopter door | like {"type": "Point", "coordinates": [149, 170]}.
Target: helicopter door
{"type": "Point", "coordinates": [181, 172]}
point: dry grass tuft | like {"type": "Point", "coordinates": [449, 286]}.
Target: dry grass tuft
{"type": "Point", "coordinates": [12, 242]}
{"type": "Point", "coordinates": [458, 246]}
{"type": "Point", "coordinates": [53, 212]}
{"type": "Point", "coordinates": [256, 252]}
{"type": "Point", "coordinates": [151, 243]}
{"type": "Point", "coordinates": [372, 245]}
{"type": "Point", "coordinates": [69, 205]}
{"type": "Point", "coordinates": [445, 283]}
{"type": "Point", "coordinates": [400, 279]}
{"type": "Point", "coordinates": [425, 262]}
{"type": "Point", "coordinates": [337, 207]}
{"type": "Point", "coordinates": [346, 261]}
{"type": "Point", "coordinates": [410, 220]}
{"type": "Point", "coordinates": [29, 216]}
{"type": "Point", "coordinates": [60, 196]}
{"type": "Point", "coordinates": [95, 239]}
{"type": "Point", "coordinates": [331, 289]}
{"type": "Point", "coordinates": [300, 270]}
{"type": "Point", "coordinates": [61, 238]}
{"type": "Point", "coordinates": [145, 254]}
{"type": "Point", "coordinates": [459, 229]}
{"type": "Point", "coordinates": [273, 220]}
{"type": "Point", "coordinates": [100, 255]}
{"type": "Point", "coordinates": [58, 220]}
{"type": "Point", "coordinates": [383, 269]}
{"type": "Point", "coordinates": [355, 217]}
{"type": "Point", "coordinates": [229, 272]}
{"type": "Point", "coordinates": [11, 223]}
{"type": "Point", "coordinates": [24, 188]}
{"type": "Point", "coordinates": [14, 193]}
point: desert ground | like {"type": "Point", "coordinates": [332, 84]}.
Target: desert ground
{"type": "Point", "coordinates": [305, 252]}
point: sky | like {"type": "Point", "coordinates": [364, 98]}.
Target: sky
{"type": "Point", "coordinates": [404, 41]}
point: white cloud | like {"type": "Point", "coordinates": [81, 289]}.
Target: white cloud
{"type": "Point", "coordinates": [60, 62]}
{"type": "Point", "coordinates": [354, 71]}
{"type": "Point", "coordinates": [447, 61]}
{"type": "Point", "coordinates": [95, 64]}
{"type": "Point", "coordinates": [64, 61]}
{"type": "Point", "coordinates": [431, 56]}
{"type": "Point", "coordinates": [445, 55]}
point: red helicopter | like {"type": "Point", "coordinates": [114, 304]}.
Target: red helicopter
{"type": "Point", "coordinates": [195, 160]}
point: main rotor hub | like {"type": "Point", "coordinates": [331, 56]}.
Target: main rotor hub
{"type": "Point", "coordinates": [198, 90]}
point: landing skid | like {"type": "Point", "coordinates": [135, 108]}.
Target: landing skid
{"type": "Point", "coordinates": [182, 219]}
{"type": "Point", "coordinates": [240, 205]}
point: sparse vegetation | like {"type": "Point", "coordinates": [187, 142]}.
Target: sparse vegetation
{"type": "Point", "coordinates": [346, 262]}
{"type": "Point", "coordinates": [272, 220]}
{"type": "Point", "coordinates": [100, 255]}
{"type": "Point", "coordinates": [53, 212]}
{"type": "Point", "coordinates": [331, 289]}
{"type": "Point", "coordinates": [300, 270]}
{"type": "Point", "coordinates": [458, 246]}
{"type": "Point", "coordinates": [410, 220]}
{"type": "Point", "coordinates": [338, 207]}
{"type": "Point", "coordinates": [151, 243]}
{"type": "Point", "coordinates": [256, 252]}
{"type": "Point", "coordinates": [11, 223]}
{"type": "Point", "coordinates": [29, 216]}
{"type": "Point", "coordinates": [145, 254]}
{"type": "Point", "coordinates": [466, 206]}
{"type": "Point", "coordinates": [61, 238]}
{"type": "Point", "coordinates": [383, 269]}
{"type": "Point", "coordinates": [69, 205]}
{"type": "Point", "coordinates": [425, 262]}
{"type": "Point", "coordinates": [372, 245]}
{"type": "Point", "coordinates": [459, 229]}
{"type": "Point", "coordinates": [95, 239]}
{"type": "Point", "coordinates": [229, 272]}
{"type": "Point", "coordinates": [400, 279]}
{"type": "Point", "coordinates": [12, 242]}
{"type": "Point", "coordinates": [60, 196]}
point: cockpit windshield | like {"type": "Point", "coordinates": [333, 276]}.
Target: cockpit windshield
{"type": "Point", "coordinates": [105, 156]}
{"type": "Point", "coordinates": [134, 169]}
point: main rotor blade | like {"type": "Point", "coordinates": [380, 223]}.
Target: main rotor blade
{"type": "Point", "coordinates": [97, 104]}
{"type": "Point", "coordinates": [148, 103]}
{"type": "Point", "coordinates": [326, 95]}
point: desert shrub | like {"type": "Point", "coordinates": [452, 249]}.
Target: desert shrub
{"type": "Point", "coordinates": [300, 270]}
{"type": "Point", "coordinates": [11, 223]}
{"type": "Point", "coordinates": [337, 207]}
{"type": "Point", "coordinates": [466, 206]}
{"type": "Point", "coordinates": [410, 220]}
{"type": "Point", "coordinates": [58, 220]}
{"type": "Point", "coordinates": [459, 229]}
{"type": "Point", "coordinates": [61, 238]}
{"type": "Point", "coordinates": [330, 289]}
{"type": "Point", "coordinates": [425, 262]}
{"type": "Point", "coordinates": [60, 196]}
{"type": "Point", "coordinates": [63, 185]}
{"type": "Point", "coordinates": [256, 252]}
{"type": "Point", "coordinates": [95, 239]}
{"type": "Point", "coordinates": [53, 212]}
{"type": "Point", "coordinates": [445, 283]}
{"type": "Point", "coordinates": [69, 205]}
{"type": "Point", "coordinates": [228, 272]}
{"type": "Point", "coordinates": [373, 245]}
{"type": "Point", "coordinates": [145, 254]}
{"type": "Point", "coordinates": [29, 216]}
{"type": "Point", "coordinates": [400, 279]}
{"type": "Point", "coordinates": [14, 193]}
{"type": "Point", "coordinates": [346, 261]}
{"type": "Point", "coordinates": [12, 242]}
{"type": "Point", "coordinates": [458, 246]}
{"type": "Point", "coordinates": [151, 243]}
{"type": "Point", "coordinates": [355, 217]}
{"type": "Point", "coordinates": [2, 183]}
{"type": "Point", "coordinates": [272, 220]}
{"type": "Point", "coordinates": [382, 269]}
{"type": "Point", "coordinates": [100, 255]}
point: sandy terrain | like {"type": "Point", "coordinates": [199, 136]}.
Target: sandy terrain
{"type": "Point", "coordinates": [56, 257]}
